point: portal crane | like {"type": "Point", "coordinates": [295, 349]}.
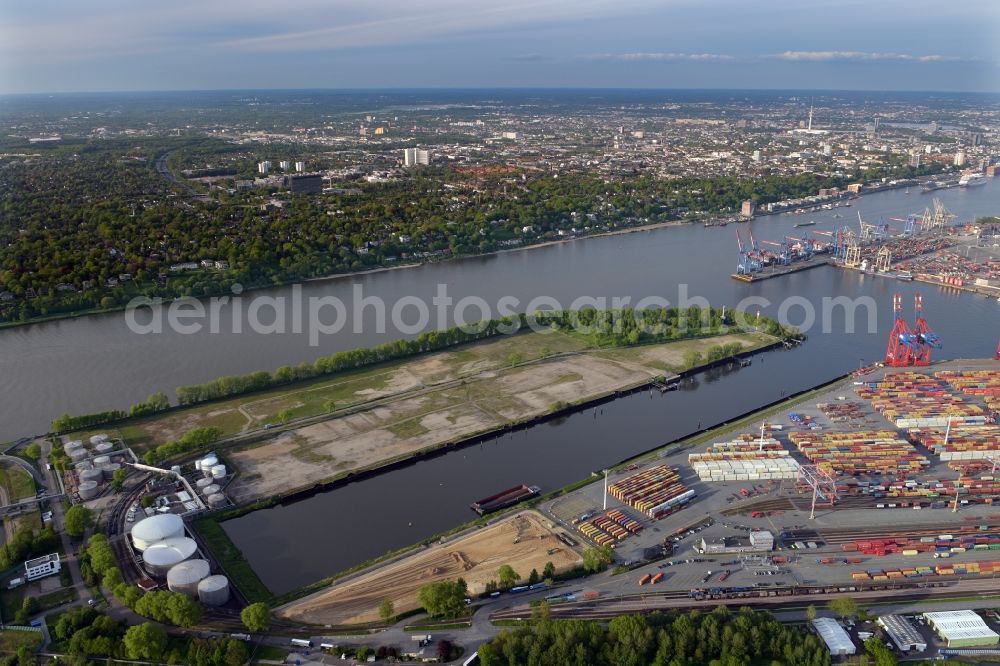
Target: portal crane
{"type": "Point", "coordinates": [785, 256]}
{"type": "Point", "coordinates": [807, 245]}
{"type": "Point", "coordinates": [926, 339]}
{"type": "Point", "coordinates": [901, 339]}
{"type": "Point", "coordinates": [748, 263]}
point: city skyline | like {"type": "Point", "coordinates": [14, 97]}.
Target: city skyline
{"type": "Point", "coordinates": [845, 45]}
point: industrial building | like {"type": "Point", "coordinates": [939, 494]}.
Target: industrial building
{"type": "Point", "coordinates": [40, 567]}
{"type": "Point", "coordinates": [903, 633]}
{"type": "Point", "coordinates": [836, 639]}
{"type": "Point", "coordinates": [757, 542]}
{"type": "Point", "coordinates": [962, 628]}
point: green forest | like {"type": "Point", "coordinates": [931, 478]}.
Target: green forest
{"type": "Point", "coordinates": [719, 638]}
{"type": "Point", "coordinates": [91, 225]}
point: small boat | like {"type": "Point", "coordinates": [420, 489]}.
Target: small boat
{"type": "Point", "coordinates": [905, 276]}
{"type": "Point", "coordinates": [805, 224]}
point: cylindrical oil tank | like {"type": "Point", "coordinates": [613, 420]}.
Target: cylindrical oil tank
{"type": "Point", "coordinates": [94, 475]}
{"type": "Point", "coordinates": [216, 500]}
{"type": "Point", "coordinates": [208, 462]}
{"type": "Point", "coordinates": [164, 555]}
{"type": "Point", "coordinates": [109, 470]}
{"type": "Point", "coordinates": [176, 469]}
{"type": "Point", "coordinates": [211, 490]}
{"type": "Point", "coordinates": [88, 490]}
{"type": "Point", "coordinates": [104, 447]}
{"type": "Point", "coordinates": [86, 464]}
{"type": "Point", "coordinates": [78, 454]}
{"type": "Point", "coordinates": [101, 461]}
{"type": "Point", "coordinates": [201, 483]}
{"type": "Point", "coordinates": [156, 528]}
{"type": "Point", "coordinates": [218, 471]}
{"type": "Point", "coordinates": [72, 444]}
{"type": "Point", "coordinates": [97, 439]}
{"type": "Point", "coordinates": [213, 591]}
{"type": "Point", "coordinates": [184, 577]}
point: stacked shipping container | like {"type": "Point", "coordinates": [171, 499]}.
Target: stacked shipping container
{"type": "Point", "coordinates": [744, 459]}
{"type": "Point", "coordinates": [655, 492]}
{"type": "Point", "coordinates": [965, 442]}
{"type": "Point", "coordinates": [864, 452]}
{"type": "Point", "coordinates": [915, 400]}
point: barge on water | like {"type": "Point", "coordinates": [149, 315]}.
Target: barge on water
{"type": "Point", "coordinates": [504, 499]}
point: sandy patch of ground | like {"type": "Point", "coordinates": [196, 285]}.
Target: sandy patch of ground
{"type": "Point", "coordinates": [673, 355]}
{"type": "Point", "coordinates": [435, 416]}
{"type": "Point", "coordinates": [475, 558]}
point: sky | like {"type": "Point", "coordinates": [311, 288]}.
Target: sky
{"type": "Point", "coordinates": [124, 45]}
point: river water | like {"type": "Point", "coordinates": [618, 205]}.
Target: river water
{"type": "Point", "coordinates": [94, 363]}
{"type": "Point", "coordinates": [303, 541]}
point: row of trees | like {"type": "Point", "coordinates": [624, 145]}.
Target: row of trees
{"type": "Point", "coordinates": [156, 402]}
{"type": "Point", "coordinates": [719, 638]}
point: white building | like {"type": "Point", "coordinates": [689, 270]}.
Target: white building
{"type": "Point", "coordinates": [959, 158]}
{"type": "Point", "coordinates": [903, 633]}
{"type": "Point", "coordinates": [263, 167]}
{"type": "Point", "coordinates": [415, 156]}
{"type": "Point", "coordinates": [300, 167]}
{"type": "Point", "coordinates": [836, 639]}
{"type": "Point", "coordinates": [284, 164]}
{"type": "Point", "coordinates": [962, 628]}
{"type": "Point", "coordinates": [40, 567]}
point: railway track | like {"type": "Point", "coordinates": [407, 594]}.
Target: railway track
{"type": "Point", "coordinates": [769, 599]}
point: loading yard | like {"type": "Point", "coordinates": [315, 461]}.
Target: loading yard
{"type": "Point", "coordinates": [524, 541]}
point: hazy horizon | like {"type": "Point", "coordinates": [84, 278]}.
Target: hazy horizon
{"type": "Point", "coordinates": [115, 46]}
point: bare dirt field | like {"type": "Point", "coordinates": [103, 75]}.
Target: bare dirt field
{"type": "Point", "coordinates": [523, 541]}
{"type": "Point", "coordinates": [457, 410]}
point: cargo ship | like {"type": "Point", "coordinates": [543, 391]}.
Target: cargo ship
{"type": "Point", "coordinates": [805, 224]}
{"type": "Point", "coordinates": [504, 499]}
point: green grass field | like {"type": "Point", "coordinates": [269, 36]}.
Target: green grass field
{"type": "Point", "coordinates": [11, 641]}
{"type": "Point", "coordinates": [17, 483]}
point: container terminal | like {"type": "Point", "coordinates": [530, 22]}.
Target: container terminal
{"type": "Point", "coordinates": [884, 480]}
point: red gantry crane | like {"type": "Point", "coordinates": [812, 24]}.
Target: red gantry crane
{"type": "Point", "coordinates": [901, 340]}
{"type": "Point", "coordinates": [926, 340]}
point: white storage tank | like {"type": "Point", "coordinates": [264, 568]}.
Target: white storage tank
{"type": "Point", "coordinates": [104, 447]}
{"type": "Point", "coordinates": [218, 471]}
{"type": "Point", "coordinates": [201, 483]}
{"type": "Point", "coordinates": [213, 591]}
{"type": "Point", "coordinates": [184, 577]}
{"type": "Point", "coordinates": [208, 462]}
{"type": "Point", "coordinates": [78, 454]}
{"type": "Point", "coordinates": [156, 528]}
{"type": "Point", "coordinates": [101, 461]}
{"type": "Point", "coordinates": [211, 490]}
{"type": "Point", "coordinates": [164, 555]}
{"type": "Point", "coordinates": [176, 469]}
{"type": "Point", "coordinates": [216, 500]}
{"type": "Point", "coordinates": [109, 470]}
{"type": "Point", "coordinates": [88, 490]}
{"type": "Point", "coordinates": [70, 446]}
{"type": "Point", "coordinates": [94, 475]}
{"type": "Point", "coordinates": [98, 439]}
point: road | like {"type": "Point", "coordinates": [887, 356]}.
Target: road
{"type": "Point", "coordinates": [58, 513]}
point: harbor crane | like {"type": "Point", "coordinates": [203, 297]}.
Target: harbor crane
{"type": "Point", "coordinates": [806, 244]}
{"type": "Point", "coordinates": [823, 486]}
{"type": "Point", "coordinates": [873, 232]}
{"type": "Point", "coordinates": [926, 339]}
{"type": "Point", "coordinates": [910, 224]}
{"type": "Point", "coordinates": [901, 339]}
{"type": "Point", "coordinates": [749, 262]}
{"type": "Point", "coordinates": [785, 255]}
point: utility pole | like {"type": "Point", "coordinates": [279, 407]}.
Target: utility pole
{"type": "Point", "coordinates": [605, 489]}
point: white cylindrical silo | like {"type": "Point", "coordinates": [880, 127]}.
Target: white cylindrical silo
{"type": "Point", "coordinates": [201, 483]}
{"type": "Point", "coordinates": [218, 471]}
{"type": "Point", "coordinates": [70, 446]}
{"type": "Point", "coordinates": [101, 461]}
{"type": "Point", "coordinates": [88, 490]}
{"type": "Point", "coordinates": [156, 528]}
{"type": "Point", "coordinates": [162, 556]}
{"type": "Point", "coordinates": [98, 439]}
{"type": "Point", "coordinates": [109, 470]}
{"type": "Point", "coordinates": [78, 454]}
{"type": "Point", "coordinates": [208, 462]}
{"type": "Point", "coordinates": [104, 447]}
{"type": "Point", "coordinates": [94, 475]}
{"type": "Point", "coordinates": [211, 490]}
{"type": "Point", "coordinates": [216, 500]}
{"type": "Point", "coordinates": [213, 591]}
{"type": "Point", "coordinates": [185, 576]}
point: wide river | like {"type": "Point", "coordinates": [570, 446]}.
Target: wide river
{"type": "Point", "coordinates": [92, 363]}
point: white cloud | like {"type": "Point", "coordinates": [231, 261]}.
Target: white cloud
{"type": "Point", "coordinates": [827, 56]}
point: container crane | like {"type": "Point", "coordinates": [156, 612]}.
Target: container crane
{"type": "Point", "coordinates": [748, 263]}
{"type": "Point", "coordinates": [926, 339]}
{"type": "Point", "coordinates": [901, 340]}
{"type": "Point", "coordinates": [910, 224]}
{"type": "Point", "coordinates": [785, 256]}
{"type": "Point", "coordinates": [806, 244]}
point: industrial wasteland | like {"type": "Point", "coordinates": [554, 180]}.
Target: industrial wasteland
{"type": "Point", "coordinates": [718, 385]}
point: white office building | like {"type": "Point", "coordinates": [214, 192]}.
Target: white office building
{"type": "Point", "coordinates": [416, 156]}
{"type": "Point", "coordinates": [263, 167]}
{"type": "Point", "coordinates": [300, 167]}
{"type": "Point", "coordinates": [40, 567]}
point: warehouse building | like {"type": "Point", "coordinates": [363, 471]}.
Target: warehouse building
{"type": "Point", "coordinates": [962, 628]}
{"type": "Point", "coordinates": [903, 633]}
{"type": "Point", "coordinates": [757, 542]}
{"type": "Point", "coordinates": [836, 639]}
